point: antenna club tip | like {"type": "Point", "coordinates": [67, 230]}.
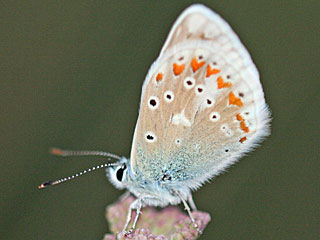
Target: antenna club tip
{"type": "Point", "coordinates": [56, 151]}
{"type": "Point", "coordinates": [43, 185]}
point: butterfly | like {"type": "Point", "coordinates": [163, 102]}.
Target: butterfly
{"type": "Point", "coordinates": [202, 107]}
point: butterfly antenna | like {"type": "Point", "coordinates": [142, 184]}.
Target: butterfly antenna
{"type": "Point", "coordinates": [68, 153]}
{"type": "Point", "coordinates": [52, 183]}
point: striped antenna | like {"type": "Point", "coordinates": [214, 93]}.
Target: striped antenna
{"type": "Point", "coordinates": [52, 183]}
{"type": "Point", "coordinates": [67, 153]}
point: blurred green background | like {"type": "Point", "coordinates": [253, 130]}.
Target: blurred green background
{"type": "Point", "coordinates": [71, 75]}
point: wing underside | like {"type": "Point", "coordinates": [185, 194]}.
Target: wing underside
{"type": "Point", "coordinates": [202, 104]}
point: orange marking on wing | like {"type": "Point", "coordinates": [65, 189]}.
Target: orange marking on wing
{"type": "Point", "coordinates": [234, 100]}
{"type": "Point", "coordinates": [178, 69]}
{"type": "Point", "coordinates": [239, 118]}
{"type": "Point", "coordinates": [244, 126]}
{"type": "Point", "coordinates": [243, 139]}
{"type": "Point", "coordinates": [159, 77]}
{"type": "Point", "coordinates": [211, 71]}
{"type": "Point", "coordinates": [222, 84]}
{"type": "Point", "coordinates": [196, 65]}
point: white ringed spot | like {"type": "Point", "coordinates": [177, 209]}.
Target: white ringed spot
{"type": "Point", "coordinates": [153, 102]}
{"type": "Point", "coordinates": [199, 89]}
{"type": "Point", "coordinates": [168, 96]}
{"type": "Point", "coordinates": [150, 137]}
{"type": "Point", "coordinates": [178, 141]}
{"type": "Point", "coordinates": [214, 117]}
{"type": "Point", "coordinates": [189, 82]}
{"type": "Point", "coordinates": [209, 102]}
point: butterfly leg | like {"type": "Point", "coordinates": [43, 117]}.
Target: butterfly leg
{"type": "Point", "coordinates": [191, 202]}
{"type": "Point", "coordinates": [136, 205]}
{"type": "Point", "coordinates": [128, 219]}
{"type": "Point", "coordinates": [187, 208]}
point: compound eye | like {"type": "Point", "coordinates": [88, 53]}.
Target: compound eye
{"type": "Point", "coordinates": [120, 172]}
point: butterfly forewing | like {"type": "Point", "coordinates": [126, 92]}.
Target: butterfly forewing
{"type": "Point", "coordinates": [202, 103]}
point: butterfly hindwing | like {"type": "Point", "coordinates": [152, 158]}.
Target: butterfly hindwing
{"type": "Point", "coordinates": [202, 104]}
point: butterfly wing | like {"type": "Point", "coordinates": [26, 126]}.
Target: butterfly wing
{"type": "Point", "coordinates": [202, 104]}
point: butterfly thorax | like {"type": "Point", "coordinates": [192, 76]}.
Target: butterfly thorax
{"type": "Point", "coordinates": [160, 191]}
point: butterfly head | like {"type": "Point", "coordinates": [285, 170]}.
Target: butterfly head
{"type": "Point", "coordinates": [118, 174]}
